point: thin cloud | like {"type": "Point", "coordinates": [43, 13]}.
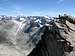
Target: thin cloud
{"type": "Point", "coordinates": [5, 0]}
{"type": "Point", "coordinates": [60, 1]}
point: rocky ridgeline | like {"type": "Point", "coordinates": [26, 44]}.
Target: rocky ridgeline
{"type": "Point", "coordinates": [40, 38]}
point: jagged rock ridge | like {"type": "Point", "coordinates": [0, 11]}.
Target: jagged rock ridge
{"type": "Point", "coordinates": [53, 38]}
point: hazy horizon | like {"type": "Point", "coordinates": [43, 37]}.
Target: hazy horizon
{"type": "Point", "coordinates": [37, 7]}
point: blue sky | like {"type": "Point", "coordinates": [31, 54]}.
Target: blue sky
{"type": "Point", "coordinates": [37, 7]}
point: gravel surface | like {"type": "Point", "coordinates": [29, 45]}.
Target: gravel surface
{"type": "Point", "coordinates": [9, 50]}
